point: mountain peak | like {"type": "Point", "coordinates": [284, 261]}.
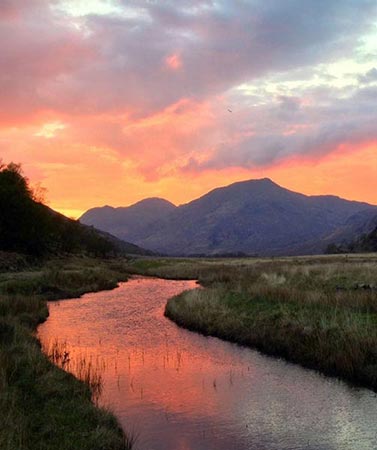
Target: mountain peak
{"type": "Point", "coordinates": [267, 181]}
{"type": "Point", "coordinates": [252, 183]}
{"type": "Point", "coordinates": [153, 202]}
{"type": "Point", "coordinates": [255, 187]}
{"type": "Point", "coordinates": [263, 180]}
{"type": "Point", "coordinates": [260, 182]}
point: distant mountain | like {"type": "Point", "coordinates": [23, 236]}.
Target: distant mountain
{"type": "Point", "coordinates": [355, 226]}
{"type": "Point", "coordinates": [29, 227]}
{"type": "Point", "coordinates": [252, 217]}
{"type": "Point", "coordinates": [366, 242]}
{"type": "Point", "coordinates": [128, 221]}
{"type": "Point", "coordinates": [358, 236]}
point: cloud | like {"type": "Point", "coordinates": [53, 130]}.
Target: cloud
{"type": "Point", "coordinates": [15, 9]}
{"type": "Point", "coordinates": [173, 61]}
{"type": "Point", "coordinates": [40, 48]}
{"type": "Point", "coordinates": [100, 63]}
{"type": "Point", "coordinates": [147, 86]}
{"type": "Point", "coordinates": [287, 128]}
{"type": "Point", "coordinates": [369, 77]}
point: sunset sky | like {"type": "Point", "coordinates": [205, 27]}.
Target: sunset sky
{"type": "Point", "coordinates": [112, 101]}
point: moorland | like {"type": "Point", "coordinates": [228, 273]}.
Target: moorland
{"type": "Point", "coordinates": [317, 311]}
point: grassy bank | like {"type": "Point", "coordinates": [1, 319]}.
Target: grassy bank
{"type": "Point", "coordinates": [41, 406]}
{"type": "Point", "coordinates": [320, 312]}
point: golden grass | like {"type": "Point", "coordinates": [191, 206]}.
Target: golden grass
{"type": "Point", "coordinates": [317, 311]}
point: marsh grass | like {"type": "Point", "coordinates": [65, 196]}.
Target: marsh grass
{"type": "Point", "coordinates": [58, 281]}
{"type": "Point", "coordinates": [319, 312]}
{"type": "Point", "coordinates": [43, 406]}
{"type": "Point", "coordinates": [83, 367]}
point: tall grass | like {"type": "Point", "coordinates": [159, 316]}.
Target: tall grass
{"type": "Point", "coordinates": [320, 312]}
{"type": "Point", "coordinates": [42, 406]}
{"type": "Point", "coordinates": [82, 366]}
{"type": "Point", "coordinates": [56, 282]}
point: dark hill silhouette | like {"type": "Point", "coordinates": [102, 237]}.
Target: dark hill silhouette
{"type": "Point", "coordinates": [28, 226]}
{"type": "Point", "coordinates": [252, 217]}
{"type": "Point", "coordinates": [133, 220]}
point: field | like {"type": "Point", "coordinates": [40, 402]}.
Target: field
{"type": "Point", "coordinates": [320, 312]}
{"type": "Point", "coordinates": [42, 406]}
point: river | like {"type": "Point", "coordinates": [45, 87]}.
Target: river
{"type": "Point", "coordinates": [178, 390]}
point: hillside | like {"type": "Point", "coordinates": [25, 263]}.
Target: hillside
{"type": "Point", "coordinates": [363, 238]}
{"type": "Point", "coordinates": [29, 227]}
{"type": "Point", "coordinates": [129, 221]}
{"type": "Point", "coordinates": [252, 217]}
{"type": "Point", "coordinates": [366, 243]}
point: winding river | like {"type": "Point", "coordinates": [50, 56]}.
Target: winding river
{"type": "Point", "coordinates": [178, 390]}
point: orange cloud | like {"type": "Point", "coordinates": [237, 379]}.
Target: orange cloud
{"type": "Point", "coordinates": [101, 111]}
{"type": "Point", "coordinates": [352, 176]}
{"type": "Point", "coordinates": [118, 160]}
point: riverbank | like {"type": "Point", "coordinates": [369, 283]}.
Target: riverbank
{"type": "Point", "coordinates": [42, 406]}
{"type": "Point", "coordinates": [320, 312]}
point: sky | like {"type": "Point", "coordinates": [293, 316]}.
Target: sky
{"type": "Point", "coordinates": [111, 101]}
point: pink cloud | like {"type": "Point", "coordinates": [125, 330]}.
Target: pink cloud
{"type": "Point", "coordinates": [174, 61]}
{"type": "Point", "coordinates": [146, 98]}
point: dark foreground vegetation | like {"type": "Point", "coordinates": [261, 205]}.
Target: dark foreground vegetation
{"type": "Point", "coordinates": [320, 312]}
{"type": "Point", "coordinates": [44, 256]}
{"type": "Point", "coordinates": [42, 407]}
{"type": "Point", "coordinates": [29, 227]}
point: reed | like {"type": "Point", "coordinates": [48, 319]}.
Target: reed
{"type": "Point", "coordinates": [85, 368]}
{"type": "Point", "coordinates": [41, 405]}
{"type": "Point", "coordinates": [320, 312]}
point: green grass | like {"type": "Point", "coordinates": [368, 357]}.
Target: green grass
{"type": "Point", "coordinates": [64, 278]}
{"type": "Point", "coordinates": [319, 312]}
{"type": "Point", "coordinates": [42, 407]}
{"type": "Point", "coordinates": [175, 268]}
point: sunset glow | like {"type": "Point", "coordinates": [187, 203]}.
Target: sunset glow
{"type": "Point", "coordinates": [111, 102]}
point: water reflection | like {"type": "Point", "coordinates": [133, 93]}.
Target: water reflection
{"type": "Point", "coordinates": [183, 391]}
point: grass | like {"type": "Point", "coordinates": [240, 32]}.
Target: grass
{"type": "Point", "coordinates": [42, 407]}
{"type": "Point", "coordinates": [67, 278]}
{"type": "Point", "coordinates": [320, 312]}
{"type": "Point", "coordinates": [176, 268]}
{"type": "Point", "coordinates": [84, 368]}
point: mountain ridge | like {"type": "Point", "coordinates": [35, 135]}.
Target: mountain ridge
{"type": "Point", "coordinates": [252, 216]}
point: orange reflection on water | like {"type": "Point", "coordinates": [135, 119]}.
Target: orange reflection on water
{"type": "Point", "coordinates": [181, 390]}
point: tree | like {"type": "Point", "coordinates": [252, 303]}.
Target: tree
{"type": "Point", "coordinates": [21, 224]}
{"type": "Point", "coordinates": [28, 226]}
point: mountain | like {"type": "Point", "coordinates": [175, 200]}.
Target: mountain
{"type": "Point", "coordinates": [358, 236]}
{"type": "Point", "coordinates": [128, 221]}
{"type": "Point", "coordinates": [366, 242]}
{"type": "Point", "coordinates": [357, 225]}
{"type": "Point", "coordinates": [252, 217]}
{"type": "Point", "coordinates": [29, 227]}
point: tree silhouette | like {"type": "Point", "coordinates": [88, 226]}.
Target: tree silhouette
{"type": "Point", "coordinates": [28, 226]}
